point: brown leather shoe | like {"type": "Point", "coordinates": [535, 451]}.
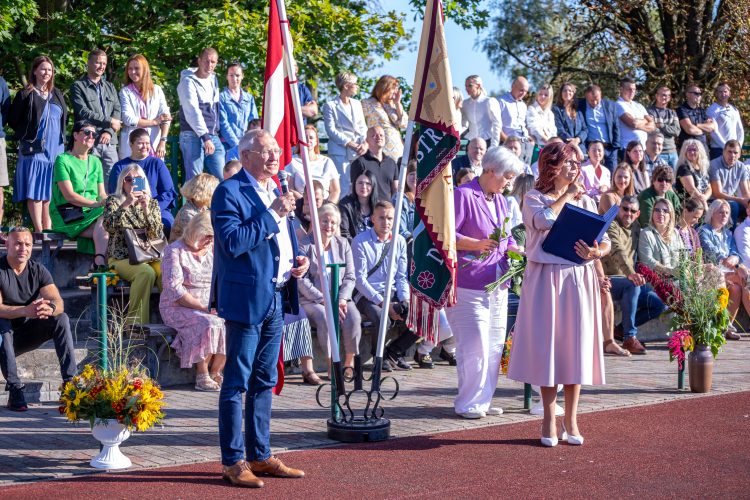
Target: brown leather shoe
{"type": "Point", "coordinates": [240, 474]}
{"type": "Point", "coordinates": [730, 335]}
{"type": "Point", "coordinates": [274, 467]}
{"type": "Point", "coordinates": [633, 345]}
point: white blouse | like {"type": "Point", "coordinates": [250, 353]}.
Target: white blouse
{"type": "Point", "coordinates": [130, 105]}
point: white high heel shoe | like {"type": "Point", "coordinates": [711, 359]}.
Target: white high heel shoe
{"type": "Point", "coordinates": [570, 438]}
{"type": "Point", "coordinates": [549, 442]}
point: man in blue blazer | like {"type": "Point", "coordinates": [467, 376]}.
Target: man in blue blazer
{"type": "Point", "coordinates": [256, 267]}
{"type": "Point", "coordinates": [600, 116]}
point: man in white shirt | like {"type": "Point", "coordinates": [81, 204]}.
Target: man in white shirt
{"type": "Point", "coordinates": [481, 114]}
{"type": "Point", "coordinates": [727, 119]}
{"type": "Point", "coordinates": [635, 122]}
{"type": "Point", "coordinates": [513, 116]}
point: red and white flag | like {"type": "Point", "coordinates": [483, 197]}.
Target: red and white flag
{"type": "Point", "coordinates": [278, 112]}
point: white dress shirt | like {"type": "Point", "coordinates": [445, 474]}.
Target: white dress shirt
{"type": "Point", "coordinates": [540, 123]}
{"type": "Point", "coordinates": [483, 118]}
{"type": "Point", "coordinates": [728, 125]}
{"type": "Point", "coordinates": [513, 116]}
{"type": "Point", "coordinates": [742, 239]}
{"type": "Point", "coordinates": [283, 239]}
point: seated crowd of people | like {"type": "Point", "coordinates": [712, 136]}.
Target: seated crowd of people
{"type": "Point", "coordinates": [676, 176]}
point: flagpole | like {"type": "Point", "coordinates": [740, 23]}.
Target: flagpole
{"type": "Point", "coordinates": [288, 60]}
{"type": "Point", "coordinates": [378, 362]}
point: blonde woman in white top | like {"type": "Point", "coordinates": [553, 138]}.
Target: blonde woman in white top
{"type": "Point", "coordinates": [143, 106]}
{"type": "Point", "coordinates": [539, 117]}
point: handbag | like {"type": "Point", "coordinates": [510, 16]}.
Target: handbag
{"type": "Point", "coordinates": [141, 249]}
{"type": "Point", "coordinates": [70, 213]}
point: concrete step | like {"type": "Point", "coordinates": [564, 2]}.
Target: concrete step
{"type": "Point", "coordinates": [36, 391]}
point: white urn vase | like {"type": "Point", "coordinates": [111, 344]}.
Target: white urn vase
{"type": "Point", "coordinates": [111, 434]}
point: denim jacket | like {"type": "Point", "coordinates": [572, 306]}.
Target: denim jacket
{"type": "Point", "coordinates": [234, 116]}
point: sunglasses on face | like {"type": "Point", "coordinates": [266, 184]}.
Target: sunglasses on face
{"type": "Point", "coordinates": [89, 133]}
{"type": "Point", "coordinates": [661, 210]}
{"type": "Point", "coordinates": [663, 179]}
{"type": "Point", "coordinates": [130, 178]}
{"type": "Point", "coordinates": [695, 93]}
{"type": "Point", "coordinates": [629, 210]}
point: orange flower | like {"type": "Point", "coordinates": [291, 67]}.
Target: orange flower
{"type": "Point", "coordinates": [723, 294]}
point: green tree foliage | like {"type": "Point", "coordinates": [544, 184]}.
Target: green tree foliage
{"type": "Point", "coordinates": [329, 36]}
{"type": "Point", "coordinates": [670, 42]}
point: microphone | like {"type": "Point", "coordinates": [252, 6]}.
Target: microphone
{"type": "Point", "coordinates": [284, 183]}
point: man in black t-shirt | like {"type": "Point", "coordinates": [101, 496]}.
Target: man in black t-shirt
{"type": "Point", "coordinates": [381, 165]}
{"type": "Point", "coordinates": [694, 121]}
{"type": "Point", "coordinates": [31, 313]}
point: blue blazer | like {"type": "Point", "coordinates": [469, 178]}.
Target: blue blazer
{"type": "Point", "coordinates": [246, 254]}
{"type": "Point", "coordinates": [610, 116]}
{"type": "Point", "coordinates": [567, 128]}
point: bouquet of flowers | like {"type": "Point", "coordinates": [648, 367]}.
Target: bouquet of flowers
{"type": "Point", "coordinates": [516, 266]}
{"type": "Point", "coordinates": [698, 298]}
{"type": "Point", "coordinates": [126, 395]}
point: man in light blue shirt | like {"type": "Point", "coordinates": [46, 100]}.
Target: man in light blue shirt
{"type": "Point", "coordinates": [513, 116]}
{"type": "Point", "coordinates": [602, 124]}
{"type": "Point", "coordinates": [370, 251]}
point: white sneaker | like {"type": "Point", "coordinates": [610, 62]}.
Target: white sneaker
{"type": "Point", "coordinates": [472, 414]}
{"type": "Point", "coordinates": [495, 411]}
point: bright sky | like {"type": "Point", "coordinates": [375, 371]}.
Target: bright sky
{"type": "Point", "coordinates": [464, 58]}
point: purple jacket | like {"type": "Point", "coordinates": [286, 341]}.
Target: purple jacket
{"type": "Point", "coordinates": [474, 220]}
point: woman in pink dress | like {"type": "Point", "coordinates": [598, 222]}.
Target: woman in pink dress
{"type": "Point", "coordinates": [186, 271]}
{"type": "Point", "coordinates": [558, 332]}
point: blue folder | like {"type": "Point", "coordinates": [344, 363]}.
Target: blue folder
{"type": "Point", "coordinates": [573, 224]}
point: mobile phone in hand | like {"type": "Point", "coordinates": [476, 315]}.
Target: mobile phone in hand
{"type": "Point", "coordinates": [139, 184]}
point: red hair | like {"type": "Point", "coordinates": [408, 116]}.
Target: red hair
{"type": "Point", "coordinates": [551, 159]}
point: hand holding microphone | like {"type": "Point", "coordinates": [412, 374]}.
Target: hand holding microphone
{"type": "Point", "coordinates": [284, 204]}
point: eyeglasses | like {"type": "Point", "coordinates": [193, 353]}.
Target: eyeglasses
{"type": "Point", "coordinates": [663, 179]}
{"type": "Point", "coordinates": [629, 210]}
{"type": "Point", "coordinates": [660, 210]}
{"type": "Point", "coordinates": [699, 93]}
{"type": "Point", "coordinates": [130, 178]}
{"type": "Point", "coordinates": [89, 133]}
{"type": "Point", "coordinates": [266, 153]}
{"type": "Point", "coordinates": [572, 163]}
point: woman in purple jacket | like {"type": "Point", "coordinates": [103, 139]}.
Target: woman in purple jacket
{"type": "Point", "coordinates": [478, 320]}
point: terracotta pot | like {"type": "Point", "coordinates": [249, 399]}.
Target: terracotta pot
{"type": "Point", "coordinates": [701, 368]}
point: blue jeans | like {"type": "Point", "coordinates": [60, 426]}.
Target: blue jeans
{"type": "Point", "coordinates": [670, 158]}
{"type": "Point", "coordinates": [252, 354]}
{"type": "Point", "coordinates": [195, 160]}
{"type": "Point", "coordinates": [610, 158]}
{"type": "Point", "coordinates": [639, 304]}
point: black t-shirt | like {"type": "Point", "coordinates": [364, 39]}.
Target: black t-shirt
{"type": "Point", "coordinates": [384, 171]}
{"type": "Point", "coordinates": [701, 181]}
{"type": "Point", "coordinates": [22, 289]}
{"type": "Point", "coordinates": [697, 116]}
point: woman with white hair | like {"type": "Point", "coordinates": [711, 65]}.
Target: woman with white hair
{"type": "Point", "coordinates": [338, 251]}
{"type": "Point", "coordinates": [478, 320]}
{"type": "Point", "coordinates": [719, 248]}
{"type": "Point", "coordinates": [132, 207]}
{"type": "Point", "coordinates": [184, 305]}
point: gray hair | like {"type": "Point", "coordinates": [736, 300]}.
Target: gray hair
{"type": "Point", "coordinates": [329, 208]}
{"type": "Point", "coordinates": [251, 137]}
{"type": "Point", "coordinates": [500, 160]}
{"type": "Point", "coordinates": [476, 141]}
{"type": "Point", "coordinates": [630, 200]}
{"type": "Point", "coordinates": [655, 135]}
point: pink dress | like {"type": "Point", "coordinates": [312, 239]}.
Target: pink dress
{"type": "Point", "coordinates": [199, 334]}
{"type": "Point", "coordinates": [558, 332]}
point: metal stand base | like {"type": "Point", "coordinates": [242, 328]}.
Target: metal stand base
{"type": "Point", "coordinates": [360, 430]}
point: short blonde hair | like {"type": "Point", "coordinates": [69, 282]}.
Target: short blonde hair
{"type": "Point", "coordinates": [329, 208]}
{"type": "Point", "coordinates": [198, 227]}
{"type": "Point", "coordinates": [129, 168]}
{"type": "Point", "coordinates": [200, 189]}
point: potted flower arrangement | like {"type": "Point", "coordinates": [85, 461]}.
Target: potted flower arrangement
{"type": "Point", "coordinates": [697, 296]}
{"type": "Point", "coordinates": [114, 401]}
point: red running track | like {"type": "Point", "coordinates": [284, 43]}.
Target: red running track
{"type": "Point", "coordinates": [689, 448]}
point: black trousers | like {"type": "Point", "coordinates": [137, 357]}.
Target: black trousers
{"type": "Point", "coordinates": [22, 335]}
{"type": "Point", "coordinates": [405, 338]}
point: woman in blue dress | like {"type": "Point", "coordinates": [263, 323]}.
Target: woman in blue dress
{"type": "Point", "coordinates": [38, 115]}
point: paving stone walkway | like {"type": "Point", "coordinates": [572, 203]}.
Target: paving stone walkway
{"type": "Point", "coordinates": [40, 444]}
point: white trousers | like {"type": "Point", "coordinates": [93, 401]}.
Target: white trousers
{"type": "Point", "coordinates": [478, 322]}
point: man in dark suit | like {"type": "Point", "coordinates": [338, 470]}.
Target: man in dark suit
{"type": "Point", "coordinates": [600, 116]}
{"type": "Point", "coordinates": [473, 158]}
{"type": "Point", "coordinates": [256, 266]}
